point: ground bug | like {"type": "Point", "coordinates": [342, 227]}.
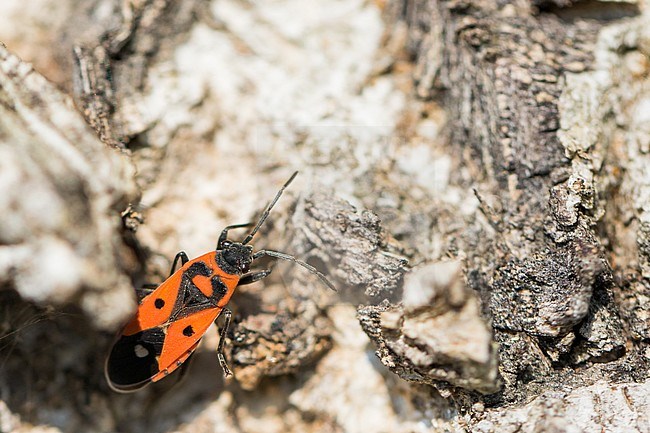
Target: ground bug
{"type": "Point", "coordinates": [170, 321]}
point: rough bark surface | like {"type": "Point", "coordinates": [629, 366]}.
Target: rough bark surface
{"type": "Point", "coordinates": [533, 96]}
{"type": "Point", "coordinates": [474, 181]}
{"type": "Point", "coordinates": [61, 194]}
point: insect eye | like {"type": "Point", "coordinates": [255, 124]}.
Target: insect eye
{"type": "Point", "coordinates": [226, 244]}
{"type": "Point", "coordinates": [245, 267]}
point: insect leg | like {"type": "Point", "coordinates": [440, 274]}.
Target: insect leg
{"type": "Point", "coordinates": [253, 276]}
{"type": "Point", "coordinates": [224, 233]}
{"type": "Point", "coordinates": [180, 256]}
{"type": "Point", "coordinates": [222, 339]}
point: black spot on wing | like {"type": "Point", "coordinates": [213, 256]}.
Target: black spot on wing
{"type": "Point", "coordinates": [219, 289]}
{"type": "Point", "coordinates": [132, 361]}
{"type": "Point", "coordinates": [159, 303]}
{"type": "Point", "coordinates": [190, 296]}
{"type": "Point", "coordinates": [188, 331]}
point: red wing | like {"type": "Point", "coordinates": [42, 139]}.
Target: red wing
{"type": "Point", "coordinates": [152, 354]}
{"type": "Point", "coordinates": [176, 365]}
{"type": "Point", "coordinates": [169, 324]}
{"type": "Point", "coordinates": [183, 334]}
{"type": "Point", "coordinates": [156, 308]}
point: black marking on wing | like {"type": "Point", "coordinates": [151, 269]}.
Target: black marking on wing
{"type": "Point", "coordinates": [219, 289]}
{"type": "Point", "coordinates": [190, 298]}
{"type": "Point", "coordinates": [132, 361]}
{"type": "Point", "coordinates": [188, 331]}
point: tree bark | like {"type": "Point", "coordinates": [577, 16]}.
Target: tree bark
{"type": "Point", "coordinates": [540, 114]}
{"type": "Point", "coordinates": [473, 181]}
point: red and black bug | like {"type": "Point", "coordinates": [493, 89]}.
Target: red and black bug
{"type": "Point", "coordinates": [170, 321]}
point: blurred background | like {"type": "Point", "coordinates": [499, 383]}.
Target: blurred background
{"type": "Point", "coordinates": [473, 180]}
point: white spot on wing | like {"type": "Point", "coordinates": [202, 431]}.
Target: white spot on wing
{"type": "Point", "coordinates": [140, 351]}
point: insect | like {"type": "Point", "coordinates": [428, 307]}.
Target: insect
{"type": "Point", "coordinates": [170, 321]}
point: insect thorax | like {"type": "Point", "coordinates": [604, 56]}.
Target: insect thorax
{"type": "Point", "coordinates": [235, 258]}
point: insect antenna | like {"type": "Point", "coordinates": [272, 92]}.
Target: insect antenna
{"type": "Point", "coordinates": [284, 256]}
{"type": "Point", "coordinates": [268, 210]}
